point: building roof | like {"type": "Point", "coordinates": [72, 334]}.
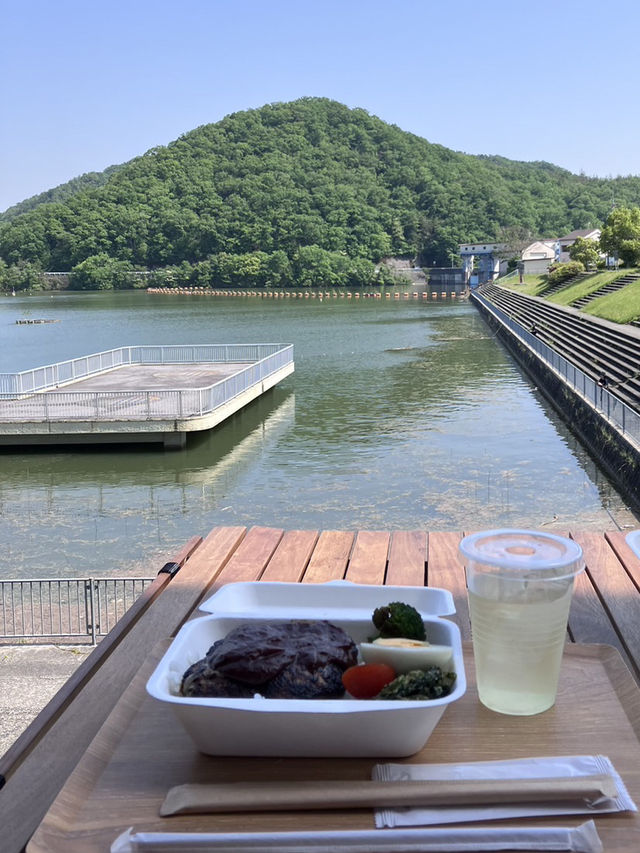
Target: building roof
{"type": "Point", "coordinates": [581, 232]}
{"type": "Point", "coordinates": [540, 249]}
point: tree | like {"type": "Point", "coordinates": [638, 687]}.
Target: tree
{"type": "Point", "coordinates": [278, 270]}
{"type": "Point", "coordinates": [563, 272]}
{"type": "Point", "coordinates": [290, 177]}
{"type": "Point", "coordinates": [101, 272]}
{"type": "Point", "coordinates": [514, 239]}
{"type": "Point", "coordinates": [621, 235]}
{"type": "Point", "coordinates": [20, 276]}
{"type": "Point", "coordinates": [361, 272]}
{"type": "Point", "coordinates": [585, 251]}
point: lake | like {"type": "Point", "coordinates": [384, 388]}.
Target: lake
{"type": "Point", "coordinates": [400, 415]}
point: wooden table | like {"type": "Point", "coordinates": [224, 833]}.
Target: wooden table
{"type": "Point", "coordinates": [598, 707]}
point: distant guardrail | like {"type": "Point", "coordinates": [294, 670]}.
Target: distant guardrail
{"type": "Point", "coordinates": [21, 400]}
{"type": "Point", "coordinates": [63, 372]}
{"type": "Point", "coordinates": [74, 610]}
{"type": "Point", "coordinates": [621, 416]}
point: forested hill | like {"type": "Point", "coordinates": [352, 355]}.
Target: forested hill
{"type": "Point", "coordinates": [60, 193]}
{"type": "Point", "coordinates": [309, 183]}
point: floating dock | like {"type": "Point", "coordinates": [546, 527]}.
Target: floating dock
{"type": "Point", "coordinates": [152, 394]}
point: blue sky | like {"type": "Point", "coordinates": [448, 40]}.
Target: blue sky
{"type": "Point", "coordinates": [91, 83]}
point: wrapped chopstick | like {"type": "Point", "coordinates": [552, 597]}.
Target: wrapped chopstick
{"type": "Point", "coordinates": [579, 839]}
{"type": "Point", "coordinates": [290, 796]}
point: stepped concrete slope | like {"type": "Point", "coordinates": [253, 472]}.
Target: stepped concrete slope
{"type": "Point", "coordinates": [561, 285]}
{"type": "Point", "coordinates": [605, 351]}
{"type": "Point", "coordinates": [611, 287]}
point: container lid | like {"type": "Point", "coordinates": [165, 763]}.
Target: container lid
{"type": "Point", "coordinates": [515, 552]}
{"type": "Point", "coordinates": [332, 600]}
{"type": "Point", "coordinates": [633, 541]}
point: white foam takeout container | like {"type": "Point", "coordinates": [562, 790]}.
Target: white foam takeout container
{"type": "Point", "coordinates": [633, 541]}
{"type": "Point", "coordinates": [306, 727]}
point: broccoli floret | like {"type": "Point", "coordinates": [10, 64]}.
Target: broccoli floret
{"type": "Point", "coordinates": [419, 684]}
{"type": "Point", "coordinates": [399, 620]}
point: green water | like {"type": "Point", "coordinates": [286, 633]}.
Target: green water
{"type": "Point", "coordinates": [399, 415]}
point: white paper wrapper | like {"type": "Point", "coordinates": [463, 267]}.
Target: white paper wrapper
{"type": "Point", "coordinates": [579, 839]}
{"type": "Point", "coordinates": [526, 768]}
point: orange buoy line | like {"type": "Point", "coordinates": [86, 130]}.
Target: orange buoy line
{"type": "Point", "coordinates": [321, 296]}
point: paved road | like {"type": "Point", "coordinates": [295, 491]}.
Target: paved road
{"type": "Point", "coordinates": [29, 677]}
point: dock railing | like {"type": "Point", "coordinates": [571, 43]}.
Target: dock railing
{"type": "Point", "coordinates": [76, 610]}
{"type": "Point", "coordinates": [21, 397]}
{"type": "Point", "coordinates": [621, 416]}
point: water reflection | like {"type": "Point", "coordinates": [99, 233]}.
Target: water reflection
{"type": "Point", "coordinates": [232, 445]}
{"type": "Point", "coordinates": [127, 505]}
{"type": "Point", "coordinates": [399, 415]}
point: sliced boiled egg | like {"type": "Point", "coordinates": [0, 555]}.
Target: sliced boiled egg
{"type": "Point", "coordinates": [405, 655]}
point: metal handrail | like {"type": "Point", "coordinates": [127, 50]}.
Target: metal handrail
{"type": "Point", "coordinates": [62, 372]}
{"type": "Point", "coordinates": [621, 416]}
{"type": "Point", "coordinates": [81, 610]}
{"type": "Point", "coordinates": [502, 278]}
{"type": "Point", "coordinates": [144, 404]}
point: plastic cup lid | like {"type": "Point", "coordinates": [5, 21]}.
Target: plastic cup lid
{"type": "Point", "coordinates": [517, 551]}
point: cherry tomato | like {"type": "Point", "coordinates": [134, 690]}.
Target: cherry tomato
{"type": "Point", "coordinates": [367, 679]}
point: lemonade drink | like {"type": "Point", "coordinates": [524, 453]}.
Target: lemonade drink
{"type": "Point", "coordinates": [517, 647]}
{"type": "Point", "coordinates": [520, 585]}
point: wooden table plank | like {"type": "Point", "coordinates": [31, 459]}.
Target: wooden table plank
{"type": "Point", "coordinates": [33, 786]}
{"type": "Point", "coordinates": [129, 768]}
{"type": "Point", "coordinates": [201, 571]}
{"type": "Point", "coordinates": [330, 557]}
{"type": "Point", "coordinates": [291, 557]}
{"type": "Point", "coordinates": [407, 558]}
{"type": "Point", "coordinates": [251, 557]}
{"type": "Point", "coordinates": [588, 620]}
{"type": "Point", "coordinates": [37, 729]}
{"type": "Point", "coordinates": [368, 562]}
{"type": "Point", "coordinates": [617, 591]}
{"type": "Point", "coordinates": [627, 557]}
{"type": "Point", "coordinates": [606, 608]}
{"type": "Point", "coordinates": [445, 570]}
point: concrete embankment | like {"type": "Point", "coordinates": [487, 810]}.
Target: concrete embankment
{"type": "Point", "coordinates": [602, 350]}
{"type": "Point", "coordinates": [583, 395]}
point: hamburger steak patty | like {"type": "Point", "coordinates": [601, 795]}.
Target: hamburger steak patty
{"type": "Point", "coordinates": [301, 660]}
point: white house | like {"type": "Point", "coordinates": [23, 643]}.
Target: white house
{"type": "Point", "coordinates": [537, 258]}
{"type": "Point", "coordinates": [484, 261]}
{"type": "Point", "coordinates": [569, 239]}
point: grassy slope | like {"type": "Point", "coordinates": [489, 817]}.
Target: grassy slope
{"type": "Point", "coordinates": [531, 285]}
{"type": "Point", "coordinates": [619, 307]}
{"type": "Point", "coordinates": [584, 287]}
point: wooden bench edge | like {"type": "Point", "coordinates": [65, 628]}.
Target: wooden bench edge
{"type": "Point", "coordinates": [38, 727]}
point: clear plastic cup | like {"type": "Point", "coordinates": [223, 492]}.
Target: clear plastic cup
{"type": "Point", "coordinates": [520, 584]}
